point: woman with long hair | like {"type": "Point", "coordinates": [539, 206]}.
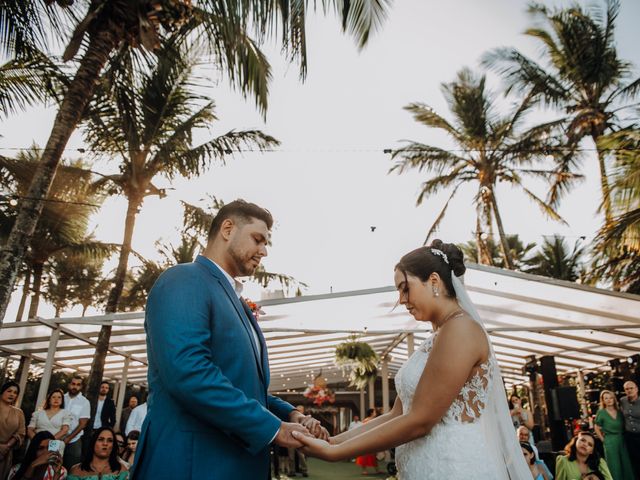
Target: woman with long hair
{"type": "Point", "coordinates": [100, 460]}
{"type": "Point", "coordinates": [39, 463]}
{"type": "Point", "coordinates": [609, 427]}
{"type": "Point", "coordinates": [52, 417]}
{"type": "Point", "coordinates": [581, 458]}
{"type": "Point", "coordinates": [11, 426]}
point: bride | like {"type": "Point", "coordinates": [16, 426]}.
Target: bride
{"type": "Point", "coordinates": [450, 419]}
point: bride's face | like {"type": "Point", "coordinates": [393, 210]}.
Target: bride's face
{"type": "Point", "coordinates": [416, 295]}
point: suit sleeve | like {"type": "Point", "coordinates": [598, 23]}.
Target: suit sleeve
{"type": "Point", "coordinates": [111, 419]}
{"type": "Point", "coordinates": [279, 408]}
{"type": "Point", "coordinates": [179, 334]}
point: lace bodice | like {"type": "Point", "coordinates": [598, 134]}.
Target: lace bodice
{"type": "Point", "coordinates": [456, 448]}
{"type": "Point", "coordinates": [470, 402]}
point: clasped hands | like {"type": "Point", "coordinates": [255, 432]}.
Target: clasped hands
{"type": "Point", "coordinates": [304, 425]}
{"type": "Point", "coordinates": [306, 433]}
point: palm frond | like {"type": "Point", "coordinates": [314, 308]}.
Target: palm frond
{"type": "Point", "coordinates": [425, 158]}
{"type": "Point", "coordinates": [440, 217]}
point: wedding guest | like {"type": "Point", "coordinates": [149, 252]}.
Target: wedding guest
{"type": "Point", "coordinates": [609, 427]}
{"type": "Point", "coordinates": [136, 419]}
{"type": "Point", "coordinates": [581, 458]}
{"type": "Point", "coordinates": [39, 463]}
{"type": "Point", "coordinates": [355, 423]}
{"type": "Point", "coordinates": [80, 410]}
{"type": "Point", "coordinates": [537, 472]}
{"type": "Point", "coordinates": [368, 460]}
{"type": "Point", "coordinates": [121, 444]}
{"type": "Point", "coordinates": [132, 444]}
{"type": "Point", "coordinates": [630, 406]}
{"type": "Point", "coordinates": [523, 437]}
{"type": "Point", "coordinates": [53, 417]}
{"type": "Point", "coordinates": [105, 410]}
{"type": "Point", "coordinates": [126, 412]}
{"type": "Point", "coordinates": [100, 460]}
{"type": "Point", "coordinates": [521, 415]}
{"type": "Point", "coordinates": [11, 426]}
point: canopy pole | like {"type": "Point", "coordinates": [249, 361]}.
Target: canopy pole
{"type": "Point", "coordinates": [385, 385]}
{"type": "Point", "coordinates": [48, 366]}
{"type": "Point", "coordinates": [372, 393]}
{"type": "Point", "coordinates": [411, 343]}
{"type": "Point", "coordinates": [22, 381]}
{"type": "Point", "coordinates": [122, 390]}
{"type": "Point", "coordinates": [362, 411]}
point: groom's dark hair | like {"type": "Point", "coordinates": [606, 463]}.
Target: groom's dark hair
{"type": "Point", "coordinates": [241, 212]}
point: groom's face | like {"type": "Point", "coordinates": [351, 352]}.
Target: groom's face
{"type": "Point", "coordinates": [247, 246]}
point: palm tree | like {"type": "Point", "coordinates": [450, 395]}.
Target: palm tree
{"type": "Point", "coordinates": [62, 229]}
{"type": "Point", "coordinates": [230, 31]}
{"type": "Point", "coordinates": [556, 260]}
{"type": "Point", "coordinates": [490, 149]}
{"type": "Point", "coordinates": [148, 120]}
{"type": "Point", "coordinates": [89, 287]}
{"type": "Point", "coordinates": [584, 76]}
{"type": "Point", "coordinates": [517, 249]}
{"type": "Point", "coordinates": [617, 245]}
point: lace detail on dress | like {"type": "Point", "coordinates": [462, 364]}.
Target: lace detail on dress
{"type": "Point", "coordinates": [456, 448]}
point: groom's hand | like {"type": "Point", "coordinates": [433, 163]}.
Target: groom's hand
{"type": "Point", "coordinates": [284, 437]}
{"type": "Point", "coordinates": [311, 424]}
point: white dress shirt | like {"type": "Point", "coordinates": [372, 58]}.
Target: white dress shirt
{"type": "Point", "coordinates": [237, 287]}
{"type": "Point", "coordinates": [79, 407]}
{"type": "Point", "coordinates": [136, 419]}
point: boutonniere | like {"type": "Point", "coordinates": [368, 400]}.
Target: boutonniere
{"type": "Point", "coordinates": [255, 308]}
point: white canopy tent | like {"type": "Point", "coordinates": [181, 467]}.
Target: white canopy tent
{"type": "Point", "coordinates": [582, 327]}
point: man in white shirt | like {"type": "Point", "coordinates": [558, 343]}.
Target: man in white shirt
{"type": "Point", "coordinates": [136, 419]}
{"type": "Point", "coordinates": [355, 423]}
{"type": "Point", "coordinates": [80, 410]}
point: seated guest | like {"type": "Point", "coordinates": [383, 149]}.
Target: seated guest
{"type": "Point", "coordinates": [11, 426]}
{"type": "Point", "coordinates": [581, 459]}
{"type": "Point", "coordinates": [132, 444]}
{"type": "Point", "coordinates": [39, 463]}
{"type": "Point", "coordinates": [537, 472]}
{"type": "Point", "coordinates": [100, 460]}
{"type": "Point", "coordinates": [523, 436]}
{"type": "Point", "coordinates": [121, 443]}
{"type": "Point", "coordinates": [52, 417]}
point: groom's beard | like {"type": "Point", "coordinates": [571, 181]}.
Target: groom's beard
{"type": "Point", "coordinates": [243, 262]}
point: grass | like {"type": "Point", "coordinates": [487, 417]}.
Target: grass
{"type": "Point", "coordinates": [319, 470]}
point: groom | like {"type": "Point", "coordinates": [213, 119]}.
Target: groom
{"type": "Point", "coordinates": [210, 415]}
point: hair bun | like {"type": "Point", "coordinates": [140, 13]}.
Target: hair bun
{"type": "Point", "coordinates": [454, 255]}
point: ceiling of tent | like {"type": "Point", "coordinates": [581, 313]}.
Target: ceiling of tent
{"type": "Point", "coordinates": [526, 315]}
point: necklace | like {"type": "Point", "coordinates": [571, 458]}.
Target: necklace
{"type": "Point", "coordinates": [454, 314]}
{"type": "Point", "coordinates": [101, 471]}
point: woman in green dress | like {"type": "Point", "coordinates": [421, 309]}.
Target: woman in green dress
{"type": "Point", "coordinates": [610, 429]}
{"type": "Point", "coordinates": [100, 461]}
{"type": "Point", "coordinates": [581, 459]}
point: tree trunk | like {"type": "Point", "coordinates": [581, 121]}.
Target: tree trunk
{"type": "Point", "coordinates": [484, 256]}
{"type": "Point", "coordinates": [37, 285]}
{"type": "Point", "coordinates": [75, 101]}
{"type": "Point", "coordinates": [84, 310]}
{"type": "Point", "coordinates": [504, 245]}
{"type": "Point", "coordinates": [97, 366]}
{"type": "Point", "coordinates": [25, 295]}
{"type": "Point", "coordinates": [604, 184]}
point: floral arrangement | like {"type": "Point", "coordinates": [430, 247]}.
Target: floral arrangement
{"type": "Point", "coordinates": [319, 393]}
{"type": "Point", "coordinates": [359, 360]}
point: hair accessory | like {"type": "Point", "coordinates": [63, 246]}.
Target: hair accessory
{"type": "Point", "coordinates": [440, 253]}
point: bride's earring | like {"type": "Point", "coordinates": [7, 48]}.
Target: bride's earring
{"type": "Point", "coordinates": [436, 293]}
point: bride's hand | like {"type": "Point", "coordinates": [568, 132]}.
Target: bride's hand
{"type": "Point", "coordinates": [317, 448]}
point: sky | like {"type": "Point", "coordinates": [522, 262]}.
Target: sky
{"type": "Point", "coordinates": [328, 182]}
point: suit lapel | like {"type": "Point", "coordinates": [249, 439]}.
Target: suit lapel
{"type": "Point", "coordinates": [226, 286]}
{"type": "Point", "coordinates": [263, 342]}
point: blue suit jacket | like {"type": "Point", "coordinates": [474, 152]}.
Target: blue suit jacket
{"type": "Point", "coordinates": [210, 415]}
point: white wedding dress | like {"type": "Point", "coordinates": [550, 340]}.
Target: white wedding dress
{"type": "Point", "coordinates": [457, 448]}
